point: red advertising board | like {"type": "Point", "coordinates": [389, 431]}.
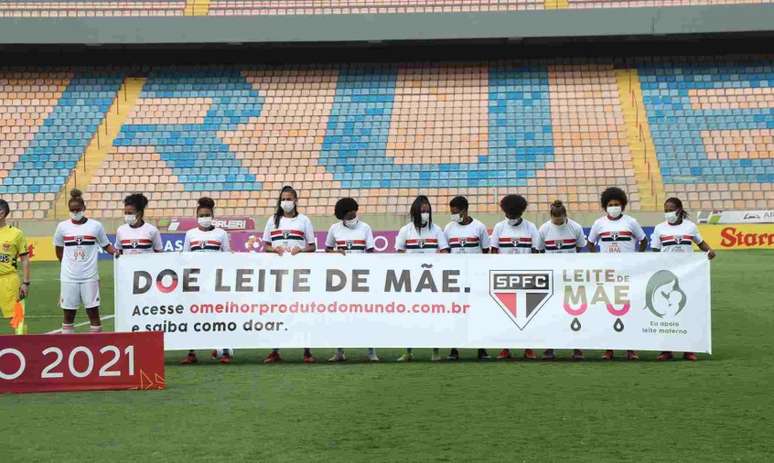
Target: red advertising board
{"type": "Point", "coordinates": [77, 362]}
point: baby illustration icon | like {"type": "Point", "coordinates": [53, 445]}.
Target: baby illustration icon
{"type": "Point", "coordinates": [663, 295]}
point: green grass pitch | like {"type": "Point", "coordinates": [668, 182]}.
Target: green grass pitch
{"type": "Point", "coordinates": [720, 409]}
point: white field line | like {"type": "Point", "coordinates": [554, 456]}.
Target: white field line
{"type": "Point", "coordinates": [106, 317]}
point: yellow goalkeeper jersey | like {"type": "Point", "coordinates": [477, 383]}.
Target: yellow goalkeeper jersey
{"type": "Point", "coordinates": [12, 245]}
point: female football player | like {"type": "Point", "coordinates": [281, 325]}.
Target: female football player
{"type": "Point", "coordinates": [515, 235]}
{"type": "Point", "coordinates": [677, 234]}
{"type": "Point", "coordinates": [77, 243]}
{"type": "Point", "coordinates": [207, 238]}
{"type": "Point", "coordinates": [465, 235]}
{"type": "Point", "coordinates": [616, 232]}
{"type": "Point", "coordinates": [561, 235]}
{"type": "Point", "coordinates": [288, 231]}
{"type": "Point", "coordinates": [349, 235]}
{"type": "Point", "coordinates": [421, 236]}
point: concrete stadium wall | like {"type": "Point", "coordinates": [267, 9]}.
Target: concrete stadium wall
{"type": "Point", "coordinates": [624, 22]}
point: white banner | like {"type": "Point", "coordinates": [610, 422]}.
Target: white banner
{"type": "Point", "coordinates": [735, 217]}
{"type": "Point", "coordinates": [650, 301]}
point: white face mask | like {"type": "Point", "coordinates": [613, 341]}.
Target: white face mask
{"type": "Point", "coordinates": [456, 218]}
{"type": "Point", "coordinates": [614, 211]}
{"type": "Point", "coordinates": [514, 222]}
{"type": "Point", "coordinates": [351, 223]}
{"type": "Point", "coordinates": [425, 216]}
{"type": "Point", "coordinates": [671, 217]}
{"type": "Point", "coordinates": [130, 219]}
{"type": "Point", "coordinates": [288, 206]}
{"type": "Point", "coordinates": [76, 216]}
{"type": "Point", "coordinates": [204, 222]}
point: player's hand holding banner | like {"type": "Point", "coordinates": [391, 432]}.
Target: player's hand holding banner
{"type": "Point", "coordinates": [638, 301]}
{"type": "Point", "coordinates": [75, 362]}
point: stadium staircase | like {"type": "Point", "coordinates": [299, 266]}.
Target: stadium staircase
{"type": "Point", "coordinates": [197, 7]}
{"type": "Point", "coordinates": [644, 160]}
{"type": "Point", "coordinates": [100, 145]}
{"type": "Point", "coordinates": [556, 4]}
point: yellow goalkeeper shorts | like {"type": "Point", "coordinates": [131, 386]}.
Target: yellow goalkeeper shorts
{"type": "Point", "coordinates": [9, 293]}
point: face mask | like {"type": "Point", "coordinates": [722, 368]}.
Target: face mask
{"type": "Point", "coordinates": [288, 206]}
{"type": "Point", "coordinates": [456, 218]}
{"type": "Point", "coordinates": [425, 216]}
{"type": "Point", "coordinates": [514, 222]}
{"type": "Point", "coordinates": [614, 211]}
{"type": "Point", "coordinates": [76, 216]}
{"type": "Point", "coordinates": [351, 223]}
{"type": "Point", "coordinates": [130, 219]}
{"type": "Point", "coordinates": [204, 222]}
{"type": "Point", "coordinates": [671, 217]}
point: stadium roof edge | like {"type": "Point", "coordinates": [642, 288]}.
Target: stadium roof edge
{"type": "Point", "coordinates": [389, 28]}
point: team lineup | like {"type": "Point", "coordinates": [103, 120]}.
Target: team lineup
{"type": "Point", "coordinates": [78, 242]}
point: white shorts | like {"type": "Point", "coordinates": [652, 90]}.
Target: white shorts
{"type": "Point", "coordinates": [74, 294]}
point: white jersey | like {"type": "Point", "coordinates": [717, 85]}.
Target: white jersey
{"type": "Point", "coordinates": [427, 239]}
{"type": "Point", "coordinates": [213, 240]}
{"type": "Point", "coordinates": [467, 239]}
{"type": "Point", "coordinates": [293, 232]}
{"type": "Point", "coordinates": [565, 238]}
{"type": "Point", "coordinates": [675, 238]}
{"type": "Point", "coordinates": [355, 240]}
{"type": "Point", "coordinates": [138, 240]}
{"type": "Point", "coordinates": [620, 235]}
{"type": "Point", "coordinates": [519, 239]}
{"type": "Point", "coordinates": [81, 243]}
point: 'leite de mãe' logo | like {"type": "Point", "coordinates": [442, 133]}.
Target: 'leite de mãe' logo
{"type": "Point", "coordinates": [521, 294]}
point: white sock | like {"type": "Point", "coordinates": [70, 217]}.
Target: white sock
{"type": "Point", "coordinates": [68, 328]}
{"type": "Point", "coordinates": [95, 328]}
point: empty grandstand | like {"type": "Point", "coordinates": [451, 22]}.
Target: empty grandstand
{"type": "Point", "coordinates": [699, 128]}
{"type": "Point", "coordinates": [141, 8]}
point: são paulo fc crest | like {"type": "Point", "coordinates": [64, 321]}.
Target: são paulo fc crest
{"type": "Point", "coordinates": [285, 234]}
{"type": "Point", "coordinates": [521, 294]}
{"type": "Point", "coordinates": [78, 240]}
{"type": "Point", "coordinates": [134, 244]}
{"type": "Point", "coordinates": [421, 243]}
{"type": "Point", "coordinates": [349, 244]}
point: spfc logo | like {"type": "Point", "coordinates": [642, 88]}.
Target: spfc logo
{"type": "Point", "coordinates": [462, 242]}
{"type": "Point", "coordinates": [421, 243]}
{"type": "Point", "coordinates": [614, 236]}
{"type": "Point", "coordinates": [134, 243]}
{"type": "Point", "coordinates": [285, 234]}
{"type": "Point", "coordinates": [521, 294]}
{"type": "Point", "coordinates": [78, 239]}
{"type": "Point", "coordinates": [349, 244]}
